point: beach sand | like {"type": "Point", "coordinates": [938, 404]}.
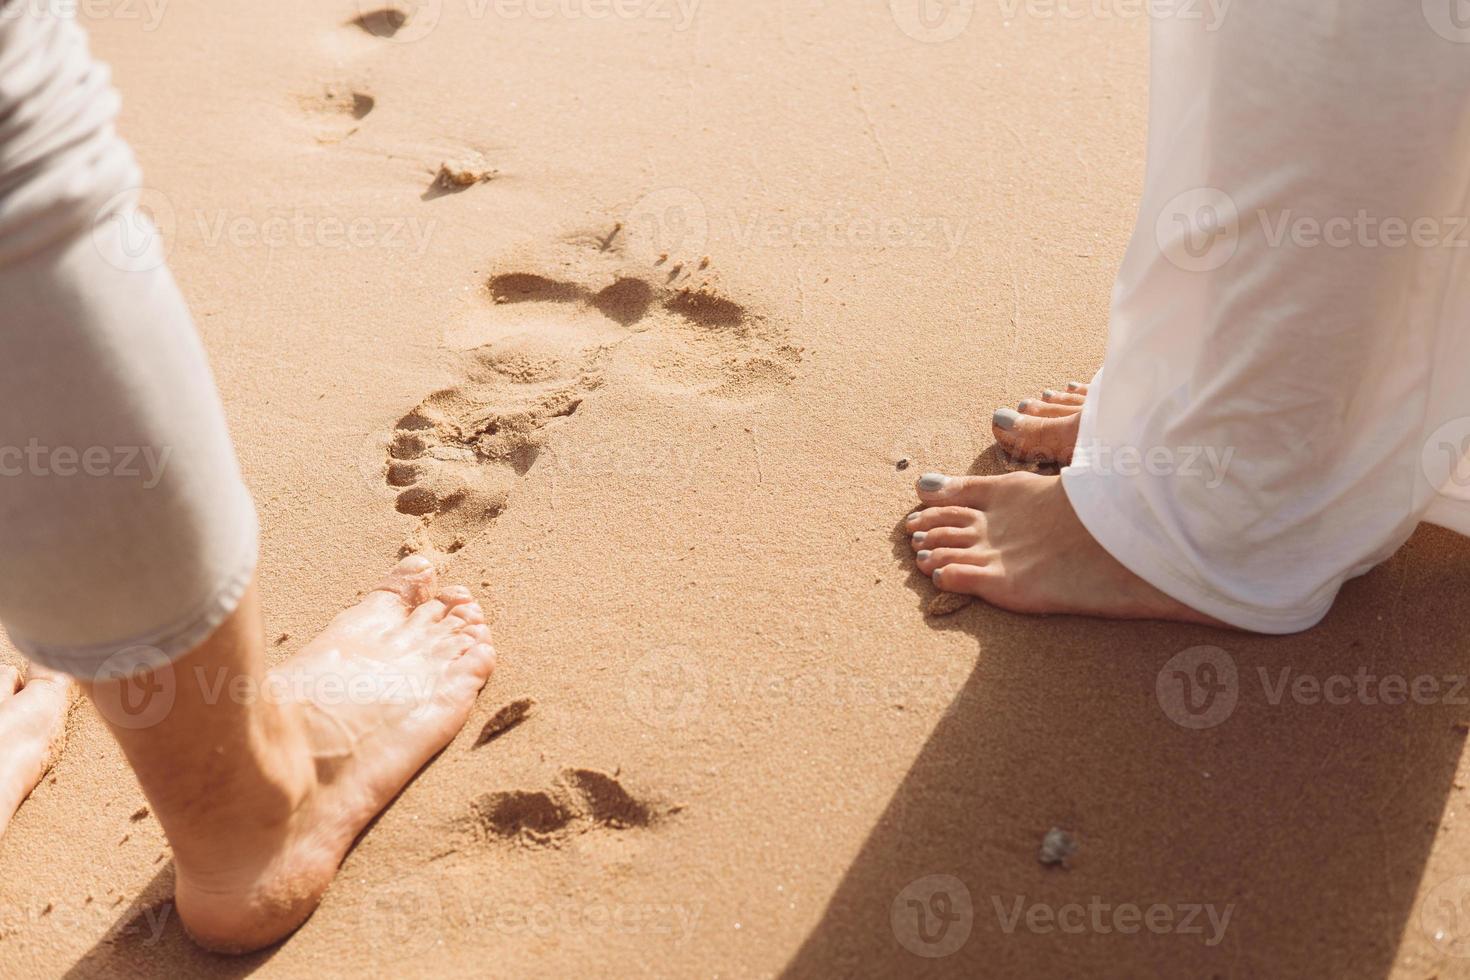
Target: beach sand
{"type": "Point", "coordinates": [702, 277]}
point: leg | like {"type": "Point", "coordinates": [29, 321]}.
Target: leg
{"type": "Point", "coordinates": [1280, 360]}
{"type": "Point", "coordinates": [33, 713]}
{"type": "Point", "coordinates": [263, 779]}
{"type": "Point", "coordinates": [121, 486]}
{"type": "Point", "coordinates": [1015, 542]}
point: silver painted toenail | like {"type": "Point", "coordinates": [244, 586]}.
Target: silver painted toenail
{"type": "Point", "coordinates": [913, 518]}
{"type": "Point", "coordinates": [924, 555]}
{"type": "Point", "coordinates": [1073, 385]}
{"type": "Point", "coordinates": [932, 482]}
{"type": "Point", "coordinates": [918, 537]}
{"type": "Point", "coordinates": [1048, 393]}
{"type": "Point", "coordinates": [1006, 418]}
{"type": "Point", "coordinates": [1022, 406]}
{"type": "Point", "coordinates": [935, 574]}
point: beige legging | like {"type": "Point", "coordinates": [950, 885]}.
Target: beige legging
{"type": "Point", "coordinates": [126, 533]}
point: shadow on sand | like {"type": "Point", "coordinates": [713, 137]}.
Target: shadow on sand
{"type": "Point", "coordinates": [1310, 823]}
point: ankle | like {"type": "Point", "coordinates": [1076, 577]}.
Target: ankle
{"type": "Point", "coordinates": [266, 783]}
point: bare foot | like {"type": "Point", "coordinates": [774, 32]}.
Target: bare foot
{"type": "Point", "coordinates": [1042, 430]}
{"type": "Point", "coordinates": [363, 707]}
{"type": "Point", "coordinates": [1015, 542]}
{"type": "Point", "coordinates": [32, 729]}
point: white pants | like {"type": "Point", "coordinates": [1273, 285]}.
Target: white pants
{"type": "Point", "coordinates": [126, 534]}
{"type": "Point", "coordinates": [1286, 391]}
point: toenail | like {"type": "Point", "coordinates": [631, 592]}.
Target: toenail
{"type": "Point", "coordinates": [918, 537]}
{"type": "Point", "coordinates": [932, 482]}
{"type": "Point", "coordinates": [415, 563]}
{"type": "Point", "coordinates": [1048, 393]}
{"type": "Point", "coordinates": [936, 573]}
{"type": "Point", "coordinates": [924, 555]}
{"type": "Point", "coordinates": [1024, 402]}
{"type": "Point", "coordinates": [1005, 418]}
{"type": "Point", "coordinates": [1073, 385]}
{"type": "Point", "coordinates": [913, 518]}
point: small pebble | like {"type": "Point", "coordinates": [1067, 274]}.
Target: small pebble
{"type": "Point", "coordinates": [463, 173]}
{"type": "Point", "coordinates": [903, 464]}
{"type": "Point", "coordinates": [1056, 847]}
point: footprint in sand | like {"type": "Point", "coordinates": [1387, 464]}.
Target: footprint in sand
{"type": "Point", "coordinates": [406, 20]}
{"type": "Point", "coordinates": [541, 345]}
{"type": "Point", "coordinates": [336, 111]}
{"type": "Point", "coordinates": [580, 801]}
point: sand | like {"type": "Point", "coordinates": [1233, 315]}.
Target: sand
{"type": "Point", "coordinates": [646, 391]}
